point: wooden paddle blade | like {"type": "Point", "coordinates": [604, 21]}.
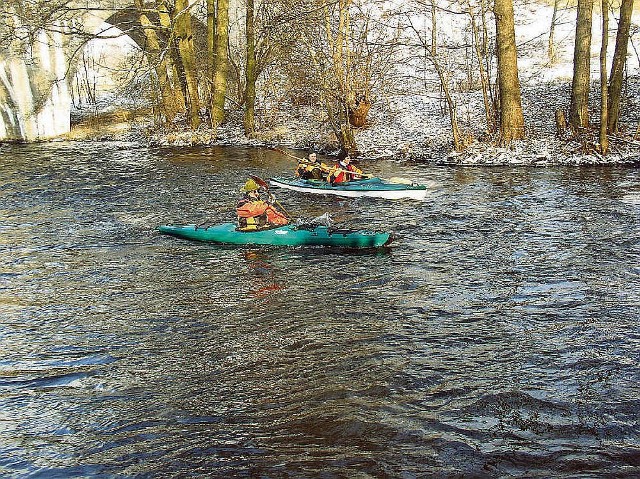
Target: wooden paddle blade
{"type": "Point", "coordinates": [260, 181]}
{"type": "Point", "coordinates": [399, 180]}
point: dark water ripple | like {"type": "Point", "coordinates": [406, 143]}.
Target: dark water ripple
{"type": "Point", "coordinates": [498, 337]}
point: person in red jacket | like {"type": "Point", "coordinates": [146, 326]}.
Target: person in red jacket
{"type": "Point", "coordinates": [344, 171]}
{"type": "Point", "coordinates": [254, 213]}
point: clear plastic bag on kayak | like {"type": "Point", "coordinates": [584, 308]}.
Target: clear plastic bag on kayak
{"type": "Point", "coordinates": [322, 220]}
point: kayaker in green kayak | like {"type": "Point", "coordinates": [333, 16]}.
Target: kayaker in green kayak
{"type": "Point", "coordinates": [254, 213]}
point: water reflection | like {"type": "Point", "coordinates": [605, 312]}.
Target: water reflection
{"type": "Point", "coordinates": [262, 273]}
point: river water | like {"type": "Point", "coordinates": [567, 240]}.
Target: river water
{"type": "Point", "coordinates": [497, 337]}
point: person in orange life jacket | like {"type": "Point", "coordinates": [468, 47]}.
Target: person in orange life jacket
{"type": "Point", "coordinates": [311, 168]}
{"type": "Point", "coordinates": [254, 213]}
{"type": "Point", "coordinates": [344, 171]}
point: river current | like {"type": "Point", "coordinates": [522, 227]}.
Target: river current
{"type": "Point", "coordinates": [498, 336]}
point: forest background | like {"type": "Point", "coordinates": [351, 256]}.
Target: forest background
{"type": "Point", "coordinates": [464, 81]}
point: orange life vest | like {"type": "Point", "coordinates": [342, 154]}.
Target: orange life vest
{"type": "Point", "coordinates": [257, 214]}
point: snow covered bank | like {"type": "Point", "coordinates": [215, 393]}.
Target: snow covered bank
{"type": "Point", "coordinates": [412, 123]}
{"type": "Point", "coordinates": [416, 128]}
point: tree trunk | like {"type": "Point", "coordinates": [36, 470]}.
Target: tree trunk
{"type": "Point", "coordinates": [348, 140]}
{"type": "Point", "coordinates": [211, 33]}
{"type": "Point", "coordinates": [184, 38]}
{"type": "Point", "coordinates": [458, 144]}
{"type": "Point", "coordinates": [220, 63]}
{"type": "Point", "coordinates": [171, 103]}
{"type": "Point", "coordinates": [340, 125]}
{"type": "Point", "coordinates": [481, 52]}
{"type": "Point", "coordinates": [579, 109]}
{"type": "Point", "coordinates": [488, 64]}
{"type": "Point", "coordinates": [618, 63]}
{"type": "Point", "coordinates": [604, 141]}
{"type": "Point", "coordinates": [340, 47]}
{"type": "Point", "coordinates": [339, 90]}
{"type": "Point", "coordinates": [511, 117]}
{"type": "Point", "coordinates": [561, 123]}
{"type": "Point", "coordinates": [250, 88]}
{"type": "Point", "coordinates": [551, 49]}
{"type": "Point", "coordinates": [174, 64]}
{"type": "Point", "coordinates": [432, 51]}
{"type": "Point", "coordinates": [211, 46]}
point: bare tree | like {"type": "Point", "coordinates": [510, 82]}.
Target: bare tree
{"type": "Point", "coordinates": [481, 50]}
{"type": "Point", "coordinates": [265, 33]}
{"type": "Point", "coordinates": [511, 116]}
{"type": "Point", "coordinates": [337, 30]}
{"type": "Point", "coordinates": [211, 36]}
{"type": "Point", "coordinates": [579, 108]}
{"type": "Point", "coordinates": [251, 74]}
{"type": "Point", "coordinates": [604, 140]}
{"type": "Point", "coordinates": [184, 38]}
{"type": "Point", "coordinates": [435, 57]}
{"type": "Point", "coordinates": [172, 99]}
{"type": "Point", "coordinates": [551, 45]}
{"type": "Point", "coordinates": [220, 62]}
{"type": "Point", "coordinates": [618, 64]}
{"type": "Point", "coordinates": [338, 54]}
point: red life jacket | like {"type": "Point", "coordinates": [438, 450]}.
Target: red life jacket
{"type": "Point", "coordinates": [343, 173]}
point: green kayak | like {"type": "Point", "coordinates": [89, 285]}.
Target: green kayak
{"type": "Point", "coordinates": [370, 187]}
{"type": "Point", "coordinates": [226, 233]}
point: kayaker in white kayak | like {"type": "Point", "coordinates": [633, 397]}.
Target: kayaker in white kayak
{"type": "Point", "coordinates": [344, 171]}
{"type": "Point", "coordinates": [254, 213]}
{"type": "Point", "coordinates": [311, 168]}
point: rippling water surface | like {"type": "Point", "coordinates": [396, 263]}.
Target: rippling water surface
{"type": "Point", "coordinates": [498, 337]}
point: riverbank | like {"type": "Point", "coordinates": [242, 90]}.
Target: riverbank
{"type": "Point", "coordinates": [414, 128]}
{"type": "Point", "coordinates": [404, 127]}
{"type": "Point", "coordinates": [408, 120]}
